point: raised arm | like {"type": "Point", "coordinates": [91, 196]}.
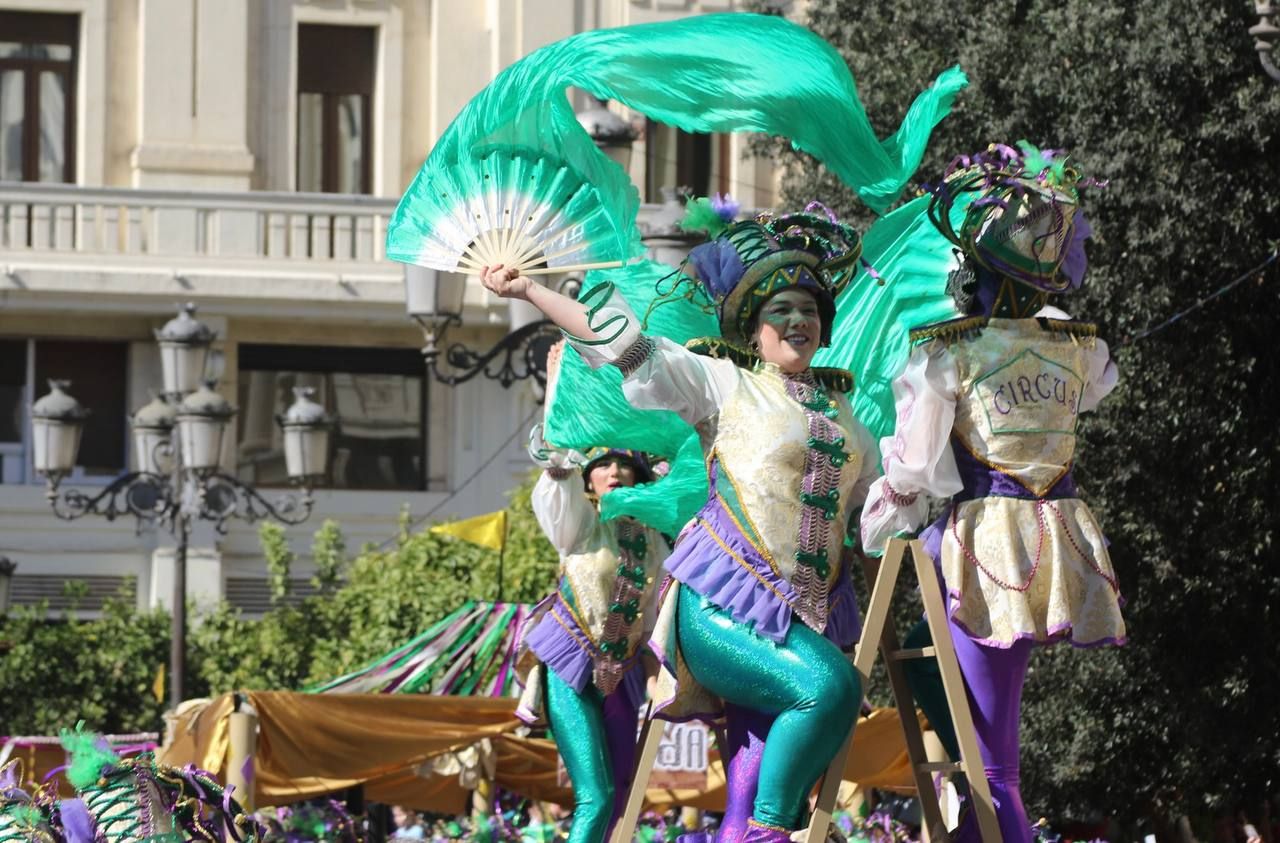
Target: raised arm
{"type": "Point", "coordinates": [569, 315]}
{"type": "Point", "coordinates": [657, 373]}
{"type": "Point", "coordinates": [560, 503]}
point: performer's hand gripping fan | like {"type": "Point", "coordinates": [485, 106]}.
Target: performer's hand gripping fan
{"type": "Point", "coordinates": [516, 152]}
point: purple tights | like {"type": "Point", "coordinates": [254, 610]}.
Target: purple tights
{"type": "Point", "coordinates": [993, 677]}
{"type": "Point", "coordinates": [745, 732]}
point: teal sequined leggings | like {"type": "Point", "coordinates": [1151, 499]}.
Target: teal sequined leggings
{"type": "Point", "coordinates": [596, 736]}
{"type": "Point", "coordinates": [806, 681]}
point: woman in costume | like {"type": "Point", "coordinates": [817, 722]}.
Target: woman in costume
{"type": "Point", "coordinates": [762, 605]}
{"type": "Point", "coordinates": [585, 641]}
{"type": "Point", "coordinates": [987, 410]}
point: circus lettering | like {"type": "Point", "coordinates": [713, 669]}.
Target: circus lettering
{"type": "Point", "coordinates": [1031, 393]}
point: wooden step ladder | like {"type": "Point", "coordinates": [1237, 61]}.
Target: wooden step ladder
{"type": "Point", "coordinates": [876, 628]}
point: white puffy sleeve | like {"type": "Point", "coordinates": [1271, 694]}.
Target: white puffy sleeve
{"type": "Point", "coordinates": [1103, 376]}
{"type": "Point", "coordinates": [657, 374]}
{"type": "Point", "coordinates": [564, 512]}
{"type": "Point", "coordinates": [918, 461]}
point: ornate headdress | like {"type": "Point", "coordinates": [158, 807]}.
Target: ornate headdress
{"type": "Point", "coordinates": [1022, 220]}
{"type": "Point", "coordinates": [747, 262]}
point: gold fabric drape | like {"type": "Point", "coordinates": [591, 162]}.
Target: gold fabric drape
{"type": "Point", "coordinates": [313, 744]}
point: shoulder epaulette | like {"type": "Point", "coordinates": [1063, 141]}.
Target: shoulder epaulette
{"type": "Point", "coordinates": [837, 380]}
{"type": "Point", "coordinates": [718, 348]}
{"type": "Point", "coordinates": [1069, 326]}
{"type": "Point", "coordinates": [953, 330]}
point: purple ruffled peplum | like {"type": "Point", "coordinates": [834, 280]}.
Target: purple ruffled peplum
{"type": "Point", "coordinates": [747, 586]}
{"type": "Point", "coordinates": [561, 644]}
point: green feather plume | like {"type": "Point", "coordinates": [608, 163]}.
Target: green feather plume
{"type": "Point", "coordinates": [90, 755]}
{"type": "Point", "coordinates": [699, 215]}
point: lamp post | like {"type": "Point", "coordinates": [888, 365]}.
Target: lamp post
{"type": "Point", "coordinates": [1267, 35]}
{"type": "Point", "coordinates": [174, 484]}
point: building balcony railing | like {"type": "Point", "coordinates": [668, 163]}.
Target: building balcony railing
{"type": "Point", "coordinates": [271, 227]}
{"type": "Point", "coordinates": [307, 252]}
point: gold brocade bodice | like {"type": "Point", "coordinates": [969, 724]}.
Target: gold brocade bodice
{"type": "Point", "coordinates": [761, 441]}
{"type": "Point", "coordinates": [1020, 387]}
{"type": "Point", "coordinates": [591, 573]}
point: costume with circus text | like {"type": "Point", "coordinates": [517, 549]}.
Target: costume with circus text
{"type": "Point", "coordinates": [987, 412]}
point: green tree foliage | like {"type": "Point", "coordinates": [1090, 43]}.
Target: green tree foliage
{"type": "Point", "coordinates": [1168, 103]}
{"type": "Point", "coordinates": [279, 557]}
{"type": "Point", "coordinates": [59, 671]}
{"type": "Point", "coordinates": [329, 555]}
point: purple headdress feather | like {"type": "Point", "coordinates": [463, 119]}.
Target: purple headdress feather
{"type": "Point", "coordinates": [726, 207]}
{"type": "Point", "coordinates": [77, 822]}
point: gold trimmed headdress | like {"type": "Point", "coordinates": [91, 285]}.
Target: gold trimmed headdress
{"type": "Point", "coordinates": [748, 262]}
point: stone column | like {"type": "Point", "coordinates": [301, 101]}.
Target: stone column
{"type": "Point", "coordinates": [192, 95]}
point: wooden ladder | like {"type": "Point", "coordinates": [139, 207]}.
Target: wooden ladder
{"type": "Point", "coordinates": [877, 628]}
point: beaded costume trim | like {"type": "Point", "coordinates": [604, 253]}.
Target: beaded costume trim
{"type": "Point", "coordinates": [624, 607]}
{"type": "Point", "coordinates": [954, 330]}
{"type": "Point", "coordinates": [635, 355]}
{"type": "Point", "coordinates": [819, 498]}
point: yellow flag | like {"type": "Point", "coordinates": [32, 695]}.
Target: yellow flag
{"type": "Point", "coordinates": [157, 687]}
{"type": "Point", "coordinates": [485, 530]}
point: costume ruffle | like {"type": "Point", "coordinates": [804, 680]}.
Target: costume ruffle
{"type": "Point", "coordinates": [731, 586]}
{"type": "Point", "coordinates": [722, 566]}
{"type": "Point", "coordinates": [1026, 569]}
{"type": "Point", "coordinates": [714, 559]}
{"type": "Point", "coordinates": [553, 638]}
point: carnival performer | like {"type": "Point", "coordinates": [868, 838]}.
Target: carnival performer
{"type": "Point", "coordinates": [584, 668]}
{"type": "Point", "coordinates": [987, 409]}
{"type": "Point", "coordinates": [761, 604]}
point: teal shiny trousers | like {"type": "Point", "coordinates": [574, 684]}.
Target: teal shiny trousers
{"type": "Point", "coordinates": [805, 681]}
{"type": "Point", "coordinates": [596, 737]}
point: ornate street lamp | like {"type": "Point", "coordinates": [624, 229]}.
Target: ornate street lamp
{"type": "Point", "coordinates": [184, 351]}
{"type": "Point", "coordinates": [1267, 35]}
{"type": "Point", "coordinates": [202, 418]}
{"type": "Point", "coordinates": [7, 567]}
{"type": "Point", "coordinates": [434, 300]}
{"type": "Point", "coordinates": [152, 436]}
{"type": "Point", "coordinates": [613, 135]}
{"type": "Point", "coordinates": [306, 429]}
{"type": "Point", "coordinates": [175, 485]}
{"type": "Point", "coordinates": [57, 420]}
